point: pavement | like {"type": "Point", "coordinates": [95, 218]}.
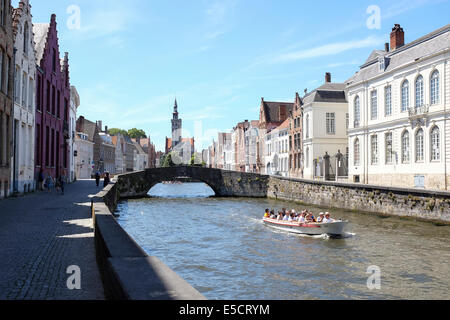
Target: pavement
{"type": "Point", "coordinates": [43, 234]}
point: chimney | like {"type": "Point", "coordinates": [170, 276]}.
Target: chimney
{"type": "Point", "coordinates": [386, 47]}
{"type": "Point", "coordinates": [397, 37]}
{"type": "Point", "coordinates": [99, 125]}
{"type": "Point", "coordinates": [80, 124]}
{"type": "Point", "coordinates": [327, 77]}
{"type": "Point", "coordinates": [106, 129]}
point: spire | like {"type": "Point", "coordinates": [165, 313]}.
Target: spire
{"type": "Point", "coordinates": [175, 108]}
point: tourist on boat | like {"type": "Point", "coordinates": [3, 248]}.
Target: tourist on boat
{"type": "Point", "coordinates": [267, 214]}
{"type": "Point", "coordinates": [272, 215]}
{"type": "Point", "coordinates": [301, 219]}
{"type": "Point", "coordinates": [327, 218]}
{"type": "Point", "coordinates": [286, 216]}
{"type": "Point", "coordinates": [280, 216]}
{"type": "Point", "coordinates": [320, 218]}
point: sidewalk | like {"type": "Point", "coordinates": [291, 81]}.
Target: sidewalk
{"type": "Point", "coordinates": [41, 235]}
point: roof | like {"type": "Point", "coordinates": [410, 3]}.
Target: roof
{"type": "Point", "coordinates": [89, 129]}
{"type": "Point", "coordinates": [284, 125]}
{"type": "Point", "coordinates": [40, 31]}
{"type": "Point", "coordinates": [138, 148]}
{"type": "Point", "coordinates": [183, 140]}
{"type": "Point", "coordinates": [272, 110]}
{"type": "Point", "coordinates": [431, 43]}
{"type": "Point", "coordinates": [328, 92]}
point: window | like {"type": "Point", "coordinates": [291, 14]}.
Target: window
{"type": "Point", "coordinates": [17, 86]}
{"type": "Point", "coordinates": [405, 95]}
{"type": "Point", "coordinates": [356, 152]}
{"type": "Point", "coordinates": [3, 12]}
{"type": "Point", "coordinates": [307, 158]}
{"type": "Point", "coordinates": [8, 64]}
{"type": "Point", "coordinates": [435, 148]}
{"type": "Point", "coordinates": [405, 147]}
{"type": "Point", "coordinates": [53, 100]}
{"type": "Point", "coordinates": [54, 60]}
{"type": "Point", "coordinates": [52, 152]}
{"type": "Point", "coordinates": [419, 145]}
{"type": "Point", "coordinates": [307, 126]}
{"type": "Point", "coordinates": [48, 96]}
{"type": "Point", "coordinates": [388, 147]}
{"type": "Point", "coordinates": [47, 146]}
{"type": "Point", "coordinates": [30, 95]}
{"type": "Point", "coordinates": [374, 105]}
{"type": "Point", "coordinates": [347, 121]}
{"type": "Point", "coordinates": [331, 123]}
{"type": "Point", "coordinates": [25, 38]}
{"type": "Point", "coordinates": [387, 101]}
{"type": "Point", "coordinates": [419, 91]}
{"type": "Point", "coordinates": [357, 111]}
{"type": "Point", "coordinates": [374, 149]}
{"type": "Point", "coordinates": [38, 144]}
{"type": "Point", "coordinates": [24, 89]}
{"type": "Point", "coordinates": [434, 88]}
{"type": "Point", "coordinates": [1, 68]}
{"type": "Point", "coordinates": [38, 93]}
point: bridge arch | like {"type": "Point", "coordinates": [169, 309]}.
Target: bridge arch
{"type": "Point", "coordinates": [223, 183]}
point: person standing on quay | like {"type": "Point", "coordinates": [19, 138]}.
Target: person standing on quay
{"type": "Point", "coordinates": [97, 178]}
{"type": "Point", "coordinates": [106, 180]}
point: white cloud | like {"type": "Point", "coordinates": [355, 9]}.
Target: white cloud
{"type": "Point", "coordinates": [329, 49]}
{"type": "Point", "coordinates": [218, 18]}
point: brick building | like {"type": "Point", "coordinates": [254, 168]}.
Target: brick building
{"type": "Point", "coordinates": [296, 139]}
{"type": "Point", "coordinates": [52, 102]}
{"type": "Point", "coordinates": [6, 94]}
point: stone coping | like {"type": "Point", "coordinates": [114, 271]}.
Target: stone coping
{"type": "Point", "coordinates": [400, 190]}
{"type": "Point", "coordinates": [128, 273]}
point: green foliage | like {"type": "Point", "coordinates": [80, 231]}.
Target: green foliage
{"type": "Point", "coordinates": [167, 162]}
{"type": "Point", "coordinates": [116, 131]}
{"type": "Point", "coordinates": [136, 133]}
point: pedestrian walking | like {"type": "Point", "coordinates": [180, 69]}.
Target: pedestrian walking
{"type": "Point", "coordinates": [49, 183]}
{"type": "Point", "coordinates": [61, 183]}
{"type": "Point", "coordinates": [41, 180]}
{"type": "Point", "coordinates": [97, 178]}
{"type": "Point", "coordinates": [106, 179]}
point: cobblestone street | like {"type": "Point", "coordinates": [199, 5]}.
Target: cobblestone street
{"type": "Point", "coordinates": [41, 235]}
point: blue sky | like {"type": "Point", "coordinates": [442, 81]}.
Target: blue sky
{"type": "Point", "coordinates": [130, 59]}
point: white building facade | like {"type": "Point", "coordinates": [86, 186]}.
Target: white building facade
{"type": "Point", "coordinates": [399, 102]}
{"type": "Point", "coordinates": [277, 150]}
{"type": "Point", "coordinates": [84, 156]}
{"type": "Point", "coordinates": [24, 100]}
{"type": "Point", "coordinates": [74, 104]}
{"type": "Point", "coordinates": [325, 114]}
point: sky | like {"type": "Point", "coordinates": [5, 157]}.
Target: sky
{"type": "Point", "coordinates": [129, 60]}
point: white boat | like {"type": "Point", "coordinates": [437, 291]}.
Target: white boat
{"type": "Point", "coordinates": [335, 228]}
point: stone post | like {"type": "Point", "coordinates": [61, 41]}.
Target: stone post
{"type": "Point", "coordinates": [338, 164]}
{"type": "Point", "coordinates": [326, 165]}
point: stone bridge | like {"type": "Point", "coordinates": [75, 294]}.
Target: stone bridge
{"type": "Point", "coordinates": [224, 183]}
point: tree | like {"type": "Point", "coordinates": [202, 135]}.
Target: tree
{"type": "Point", "coordinates": [136, 133]}
{"type": "Point", "coordinates": [167, 162]}
{"type": "Point", "coordinates": [116, 131]}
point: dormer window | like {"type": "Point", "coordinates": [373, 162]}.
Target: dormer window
{"type": "Point", "coordinates": [383, 63]}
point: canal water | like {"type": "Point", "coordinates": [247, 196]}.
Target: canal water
{"type": "Point", "coordinates": [221, 247]}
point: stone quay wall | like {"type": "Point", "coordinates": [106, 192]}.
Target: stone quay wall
{"type": "Point", "coordinates": [404, 202]}
{"type": "Point", "coordinates": [127, 272]}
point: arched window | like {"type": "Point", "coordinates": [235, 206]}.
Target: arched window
{"type": "Point", "coordinates": [435, 144]}
{"type": "Point", "coordinates": [307, 157]}
{"type": "Point", "coordinates": [357, 111]}
{"type": "Point", "coordinates": [419, 91]}
{"type": "Point", "coordinates": [25, 38]}
{"type": "Point", "coordinates": [307, 126]}
{"type": "Point", "coordinates": [405, 147]}
{"type": "Point", "coordinates": [405, 95]}
{"type": "Point", "coordinates": [434, 87]}
{"type": "Point", "coordinates": [356, 153]}
{"type": "Point", "coordinates": [419, 145]}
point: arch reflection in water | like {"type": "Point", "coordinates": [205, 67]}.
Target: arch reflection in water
{"type": "Point", "coordinates": [181, 190]}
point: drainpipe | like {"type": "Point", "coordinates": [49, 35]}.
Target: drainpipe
{"type": "Point", "coordinates": [14, 180]}
{"type": "Point", "coordinates": [445, 125]}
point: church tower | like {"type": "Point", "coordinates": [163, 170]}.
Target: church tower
{"type": "Point", "coordinates": [176, 126]}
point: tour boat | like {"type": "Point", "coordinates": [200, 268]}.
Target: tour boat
{"type": "Point", "coordinates": [335, 228]}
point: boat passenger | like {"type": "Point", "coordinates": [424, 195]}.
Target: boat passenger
{"type": "Point", "coordinates": [320, 218]}
{"type": "Point", "coordinates": [286, 217]}
{"type": "Point", "coordinates": [280, 216]}
{"type": "Point", "coordinates": [267, 214]}
{"type": "Point", "coordinates": [301, 219]}
{"type": "Point", "coordinates": [327, 218]}
{"type": "Point", "coordinates": [272, 215]}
